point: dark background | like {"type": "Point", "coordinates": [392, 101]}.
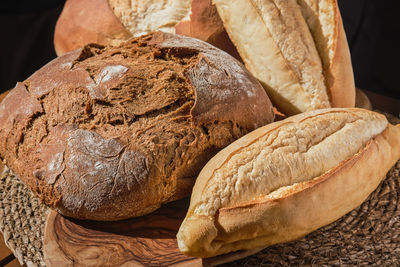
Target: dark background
{"type": "Point", "coordinates": [26, 30]}
{"type": "Point", "coordinates": [373, 33]}
{"type": "Point", "coordinates": [372, 28]}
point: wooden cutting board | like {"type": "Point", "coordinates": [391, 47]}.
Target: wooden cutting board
{"type": "Point", "coordinates": [144, 241]}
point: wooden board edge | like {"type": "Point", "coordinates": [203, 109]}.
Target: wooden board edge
{"type": "Point", "coordinates": [52, 247]}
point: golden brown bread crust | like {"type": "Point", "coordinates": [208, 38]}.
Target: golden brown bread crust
{"type": "Point", "coordinates": [325, 23]}
{"type": "Point", "coordinates": [108, 133]}
{"type": "Point", "coordinates": [289, 212]}
{"type": "Point", "coordinates": [276, 46]}
{"type": "Point", "coordinates": [274, 42]}
{"type": "Point", "coordinates": [89, 21]}
{"type": "Point", "coordinates": [340, 80]}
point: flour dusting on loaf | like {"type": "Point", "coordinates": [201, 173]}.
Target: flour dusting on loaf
{"type": "Point", "coordinates": [107, 133]}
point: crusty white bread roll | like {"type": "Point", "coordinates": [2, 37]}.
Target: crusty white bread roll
{"type": "Point", "coordinates": [297, 49]}
{"type": "Point", "coordinates": [287, 179]}
{"type": "Point", "coordinates": [113, 21]}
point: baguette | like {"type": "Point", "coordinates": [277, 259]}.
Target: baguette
{"type": "Point", "coordinates": [325, 23]}
{"type": "Point", "coordinates": [297, 49]}
{"type": "Point", "coordinates": [287, 179]}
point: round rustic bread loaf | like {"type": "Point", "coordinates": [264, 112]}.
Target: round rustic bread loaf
{"type": "Point", "coordinates": [108, 133]}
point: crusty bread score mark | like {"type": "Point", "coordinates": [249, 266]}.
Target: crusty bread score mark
{"type": "Point", "coordinates": [325, 23]}
{"type": "Point", "coordinates": [237, 150]}
{"type": "Point", "coordinates": [201, 207]}
{"type": "Point", "coordinates": [293, 36]}
{"type": "Point", "coordinates": [286, 191]}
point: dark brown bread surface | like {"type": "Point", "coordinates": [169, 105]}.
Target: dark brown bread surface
{"type": "Point", "coordinates": [108, 133]}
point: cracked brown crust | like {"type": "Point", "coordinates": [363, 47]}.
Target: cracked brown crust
{"type": "Point", "coordinates": [108, 133]}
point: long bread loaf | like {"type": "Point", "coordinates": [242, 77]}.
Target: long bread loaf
{"type": "Point", "coordinates": [297, 49]}
{"type": "Point", "coordinates": [287, 179]}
